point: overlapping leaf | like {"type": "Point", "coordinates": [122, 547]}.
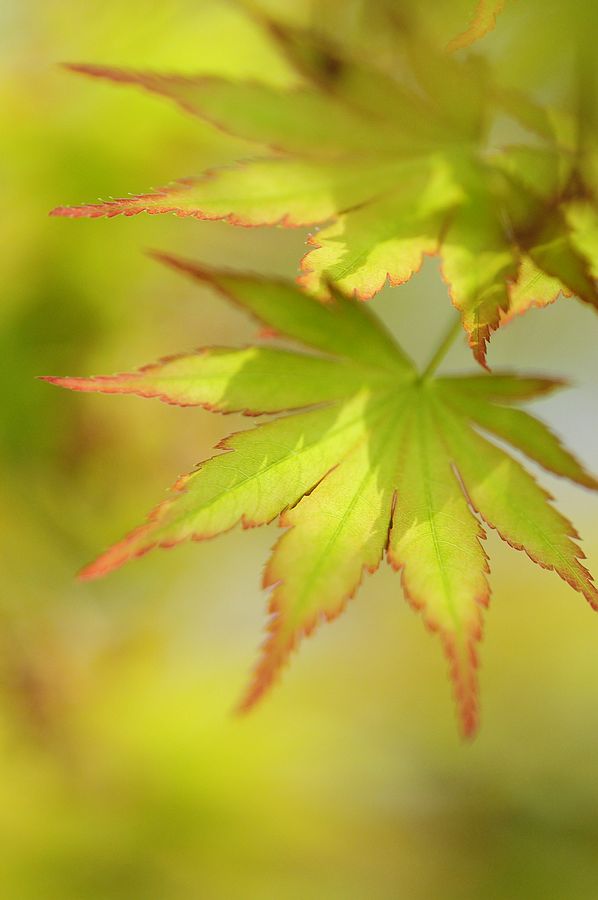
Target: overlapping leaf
{"type": "Point", "coordinates": [399, 166]}
{"type": "Point", "coordinates": [373, 460]}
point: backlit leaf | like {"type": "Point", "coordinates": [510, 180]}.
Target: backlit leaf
{"type": "Point", "coordinates": [285, 121]}
{"type": "Point", "coordinates": [396, 161]}
{"type": "Point", "coordinates": [377, 461]}
{"type": "Point", "coordinates": [255, 380]}
{"type": "Point", "coordinates": [274, 191]}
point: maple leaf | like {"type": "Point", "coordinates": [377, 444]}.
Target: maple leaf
{"type": "Point", "coordinates": [373, 460]}
{"type": "Point", "coordinates": [394, 169]}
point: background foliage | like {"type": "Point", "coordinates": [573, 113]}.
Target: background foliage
{"type": "Point", "coordinates": [122, 773]}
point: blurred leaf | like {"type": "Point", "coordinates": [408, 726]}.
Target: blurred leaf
{"type": "Point", "coordinates": [402, 167]}
{"type": "Point", "coordinates": [483, 21]}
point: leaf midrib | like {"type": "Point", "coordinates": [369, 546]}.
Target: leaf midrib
{"type": "Point", "coordinates": [299, 604]}
{"type": "Point", "coordinates": [448, 591]}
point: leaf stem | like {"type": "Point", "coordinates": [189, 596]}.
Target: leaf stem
{"type": "Point", "coordinates": [445, 344]}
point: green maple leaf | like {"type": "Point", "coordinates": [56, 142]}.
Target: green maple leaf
{"type": "Point", "coordinates": [373, 460]}
{"type": "Point", "coordinates": [397, 173]}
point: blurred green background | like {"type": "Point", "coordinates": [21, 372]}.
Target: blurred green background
{"type": "Point", "coordinates": [123, 773]}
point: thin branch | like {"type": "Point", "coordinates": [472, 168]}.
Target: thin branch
{"type": "Point", "coordinates": [447, 341]}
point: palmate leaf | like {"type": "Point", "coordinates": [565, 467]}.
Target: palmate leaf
{"type": "Point", "coordinates": [395, 168]}
{"type": "Point", "coordinates": [371, 461]}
